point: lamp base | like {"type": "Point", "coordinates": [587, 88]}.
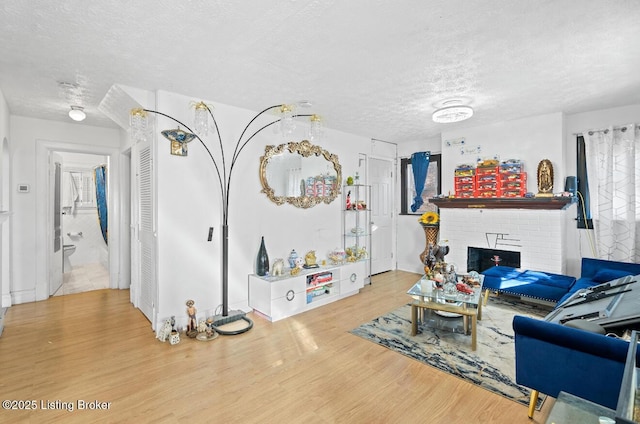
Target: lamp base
{"type": "Point", "coordinates": [220, 320]}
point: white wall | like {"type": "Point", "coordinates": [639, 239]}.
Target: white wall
{"type": "Point", "coordinates": [189, 267]}
{"type": "Point", "coordinates": [411, 239]}
{"type": "Point", "coordinates": [530, 140]}
{"type": "Point", "coordinates": [28, 280]}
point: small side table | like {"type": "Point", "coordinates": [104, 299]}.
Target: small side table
{"type": "Point", "coordinates": [570, 409]}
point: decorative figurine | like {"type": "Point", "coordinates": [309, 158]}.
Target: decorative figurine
{"type": "Point", "coordinates": [163, 335]}
{"type": "Point", "coordinates": [206, 331]}
{"type": "Point", "coordinates": [278, 267]}
{"type": "Point", "coordinates": [202, 325]}
{"type": "Point", "coordinates": [545, 178]}
{"type": "Point", "coordinates": [191, 322]}
{"type": "Point", "coordinates": [310, 259]}
{"type": "Point", "coordinates": [299, 263]}
{"type": "Point", "coordinates": [292, 258]}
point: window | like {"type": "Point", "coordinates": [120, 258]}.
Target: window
{"type": "Point", "coordinates": [584, 212]}
{"type": "Point", "coordinates": [80, 189]}
{"type": "Point", "coordinates": [431, 186]}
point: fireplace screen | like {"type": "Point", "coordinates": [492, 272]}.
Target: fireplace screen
{"type": "Point", "coordinates": [480, 259]}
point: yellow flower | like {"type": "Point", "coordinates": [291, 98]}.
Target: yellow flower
{"type": "Point", "coordinates": [429, 218]}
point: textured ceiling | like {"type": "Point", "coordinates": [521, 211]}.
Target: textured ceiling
{"type": "Point", "coordinates": [374, 68]}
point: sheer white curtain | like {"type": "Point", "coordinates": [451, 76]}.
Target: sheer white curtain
{"type": "Point", "coordinates": [613, 171]}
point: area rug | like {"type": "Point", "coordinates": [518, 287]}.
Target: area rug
{"type": "Point", "coordinates": [491, 366]}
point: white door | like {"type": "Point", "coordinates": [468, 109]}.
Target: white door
{"type": "Point", "coordinates": [146, 244]}
{"type": "Point", "coordinates": [382, 248]}
{"type": "Point", "coordinates": [55, 213]}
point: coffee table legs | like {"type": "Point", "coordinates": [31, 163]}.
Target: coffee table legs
{"type": "Point", "coordinates": [414, 320]}
{"type": "Point", "coordinates": [474, 324]}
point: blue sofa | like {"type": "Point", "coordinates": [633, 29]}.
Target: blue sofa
{"type": "Point", "coordinates": [551, 358]}
{"type": "Point", "coordinates": [555, 287]}
{"type": "Point", "coordinates": [535, 284]}
{"type": "Point", "coordinates": [598, 271]}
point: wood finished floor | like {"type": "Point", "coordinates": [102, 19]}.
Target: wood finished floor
{"type": "Point", "coordinates": [306, 369]}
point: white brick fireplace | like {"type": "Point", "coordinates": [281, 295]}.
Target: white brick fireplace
{"type": "Point", "coordinates": [537, 234]}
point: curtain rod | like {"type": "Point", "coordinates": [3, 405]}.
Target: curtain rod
{"type": "Point", "coordinates": [606, 130]}
{"type": "Point", "coordinates": [384, 141]}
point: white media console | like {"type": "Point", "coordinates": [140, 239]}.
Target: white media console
{"type": "Point", "coordinates": [283, 296]}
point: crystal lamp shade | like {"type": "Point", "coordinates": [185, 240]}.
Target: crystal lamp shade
{"type": "Point", "coordinates": [315, 128]}
{"type": "Point", "coordinates": [138, 121]}
{"type": "Point", "coordinates": [201, 119]}
{"type": "Point", "coordinates": [287, 121]}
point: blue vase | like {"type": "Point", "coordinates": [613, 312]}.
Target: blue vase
{"type": "Point", "coordinates": [292, 259]}
{"type": "Point", "coordinates": [262, 263]}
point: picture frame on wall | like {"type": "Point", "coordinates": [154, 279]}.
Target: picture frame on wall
{"type": "Point", "coordinates": [432, 187]}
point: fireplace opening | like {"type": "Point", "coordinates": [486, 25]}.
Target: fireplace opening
{"type": "Point", "coordinates": [480, 259]}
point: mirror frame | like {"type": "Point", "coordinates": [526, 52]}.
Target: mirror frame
{"type": "Point", "coordinates": [304, 149]}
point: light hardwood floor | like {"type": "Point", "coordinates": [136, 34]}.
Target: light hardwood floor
{"type": "Point", "coordinates": [95, 346]}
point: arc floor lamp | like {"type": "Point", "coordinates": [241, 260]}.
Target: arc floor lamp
{"type": "Point", "coordinates": [224, 172]}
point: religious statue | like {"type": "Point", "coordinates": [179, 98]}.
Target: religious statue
{"type": "Point", "coordinates": [545, 178]}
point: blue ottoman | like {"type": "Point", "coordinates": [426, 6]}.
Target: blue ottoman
{"type": "Point", "coordinates": [535, 284]}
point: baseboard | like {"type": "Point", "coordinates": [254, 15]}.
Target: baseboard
{"type": "Point", "coordinates": [3, 311]}
{"type": "Point", "coordinates": [24, 296]}
{"type": "Point", "coordinates": [6, 301]}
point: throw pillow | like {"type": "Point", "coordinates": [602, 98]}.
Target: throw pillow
{"type": "Point", "coordinates": [607, 274]}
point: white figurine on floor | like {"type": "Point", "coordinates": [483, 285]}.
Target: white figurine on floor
{"type": "Point", "coordinates": [164, 332]}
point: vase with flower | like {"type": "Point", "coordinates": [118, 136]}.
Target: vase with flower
{"type": "Point", "coordinates": [430, 222]}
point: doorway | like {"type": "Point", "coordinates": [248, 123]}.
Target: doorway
{"type": "Point", "coordinates": [84, 259]}
{"type": "Point", "coordinates": [45, 264]}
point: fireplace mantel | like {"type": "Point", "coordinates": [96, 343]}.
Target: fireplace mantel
{"type": "Point", "coordinates": [505, 203]}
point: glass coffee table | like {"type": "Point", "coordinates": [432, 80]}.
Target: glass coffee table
{"type": "Point", "coordinates": [428, 300]}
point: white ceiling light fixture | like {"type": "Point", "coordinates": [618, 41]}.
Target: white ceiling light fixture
{"type": "Point", "coordinates": [452, 111]}
{"type": "Point", "coordinates": [77, 113]}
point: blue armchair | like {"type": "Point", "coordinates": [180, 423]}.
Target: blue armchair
{"type": "Point", "coordinates": [551, 358]}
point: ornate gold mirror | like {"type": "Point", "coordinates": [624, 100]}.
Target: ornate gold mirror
{"type": "Point", "coordinates": [301, 174]}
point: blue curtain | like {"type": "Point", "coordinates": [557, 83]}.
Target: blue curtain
{"type": "Point", "coordinates": [101, 198]}
{"type": "Point", "coordinates": [420, 166]}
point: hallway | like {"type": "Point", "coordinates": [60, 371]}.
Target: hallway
{"type": "Point", "coordinates": [84, 278]}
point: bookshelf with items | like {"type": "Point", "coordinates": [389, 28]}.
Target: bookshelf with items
{"type": "Point", "coordinates": [356, 224]}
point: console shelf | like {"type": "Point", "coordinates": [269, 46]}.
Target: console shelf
{"type": "Point", "coordinates": [557, 203]}
{"type": "Point", "coordinates": [280, 297]}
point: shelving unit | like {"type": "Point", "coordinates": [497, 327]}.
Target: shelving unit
{"type": "Point", "coordinates": [356, 224]}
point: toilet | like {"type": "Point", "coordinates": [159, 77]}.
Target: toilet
{"type": "Point", "coordinates": [68, 250]}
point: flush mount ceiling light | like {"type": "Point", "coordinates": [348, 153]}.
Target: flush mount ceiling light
{"type": "Point", "coordinates": [452, 111]}
{"type": "Point", "coordinates": [77, 113]}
